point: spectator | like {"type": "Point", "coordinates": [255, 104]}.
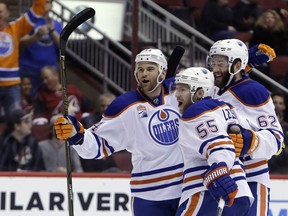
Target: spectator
{"type": "Point", "coordinates": [104, 100]}
{"type": "Point", "coordinates": [20, 151]}
{"type": "Point", "coordinates": [40, 48]}
{"type": "Point", "coordinates": [49, 98]}
{"type": "Point", "coordinates": [280, 106]}
{"type": "Point", "coordinates": [269, 29]}
{"type": "Point", "coordinates": [217, 20]}
{"type": "Point", "coordinates": [107, 164]}
{"type": "Point", "coordinates": [53, 151]}
{"type": "Point", "coordinates": [246, 13]}
{"type": "Point", "coordinates": [10, 34]}
{"type": "Point", "coordinates": [26, 99]}
{"type": "Point", "coordinates": [278, 163]}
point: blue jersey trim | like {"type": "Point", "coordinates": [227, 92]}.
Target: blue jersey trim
{"type": "Point", "coordinates": [222, 148]}
{"type": "Point", "coordinates": [259, 94]}
{"type": "Point", "coordinates": [122, 102]}
{"type": "Point", "coordinates": [178, 166]}
{"type": "Point", "coordinates": [9, 73]}
{"type": "Point", "coordinates": [136, 96]}
{"type": "Point", "coordinates": [252, 174]}
{"type": "Point", "coordinates": [157, 187]}
{"type": "Point", "coordinates": [239, 178]}
{"type": "Point", "coordinates": [211, 140]}
{"type": "Point", "coordinates": [192, 186]}
{"type": "Point", "coordinates": [202, 106]}
{"type": "Point", "coordinates": [190, 170]}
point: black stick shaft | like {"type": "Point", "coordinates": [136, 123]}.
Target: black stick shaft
{"type": "Point", "coordinates": [67, 146]}
{"type": "Point", "coordinates": [174, 60]}
{"type": "Point", "coordinates": [78, 19]}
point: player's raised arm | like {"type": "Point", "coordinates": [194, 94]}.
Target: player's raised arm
{"type": "Point", "coordinates": [259, 54]}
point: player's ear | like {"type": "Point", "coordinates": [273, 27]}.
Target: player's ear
{"type": "Point", "coordinates": [236, 65]}
{"type": "Point", "coordinates": [163, 75]}
{"type": "Point", "coordinates": [199, 94]}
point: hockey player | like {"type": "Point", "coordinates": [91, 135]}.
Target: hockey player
{"type": "Point", "coordinates": [211, 169]}
{"type": "Point", "coordinates": [228, 59]}
{"type": "Point", "coordinates": [145, 123]}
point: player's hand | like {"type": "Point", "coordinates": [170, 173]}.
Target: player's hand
{"type": "Point", "coordinates": [260, 54]}
{"type": "Point", "coordinates": [219, 183]}
{"type": "Point", "coordinates": [245, 141]}
{"type": "Point", "coordinates": [69, 128]}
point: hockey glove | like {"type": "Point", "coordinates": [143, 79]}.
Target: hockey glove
{"type": "Point", "coordinates": [219, 183]}
{"type": "Point", "coordinates": [245, 141]}
{"type": "Point", "coordinates": [69, 128]}
{"type": "Point", "coordinates": [259, 54]}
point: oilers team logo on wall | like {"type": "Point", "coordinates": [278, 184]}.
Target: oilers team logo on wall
{"type": "Point", "coordinates": [163, 126]}
{"type": "Point", "coordinates": [6, 44]}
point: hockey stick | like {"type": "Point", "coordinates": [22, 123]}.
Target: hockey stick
{"type": "Point", "coordinates": [220, 206]}
{"type": "Point", "coordinates": [174, 60]}
{"type": "Point", "coordinates": [78, 19]}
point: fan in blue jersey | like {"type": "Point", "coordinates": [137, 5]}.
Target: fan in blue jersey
{"type": "Point", "coordinates": [263, 135]}
{"type": "Point", "coordinates": [144, 122]}
{"type": "Point", "coordinates": [211, 169]}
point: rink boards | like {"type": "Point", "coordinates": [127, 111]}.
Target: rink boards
{"type": "Point", "coordinates": [42, 194]}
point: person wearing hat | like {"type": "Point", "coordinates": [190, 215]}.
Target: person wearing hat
{"type": "Point", "coordinates": [20, 151]}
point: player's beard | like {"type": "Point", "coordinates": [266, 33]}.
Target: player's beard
{"type": "Point", "coordinates": [220, 83]}
{"type": "Point", "coordinates": [147, 87]}
{"type": "Point", "coordinates": [183, 107]}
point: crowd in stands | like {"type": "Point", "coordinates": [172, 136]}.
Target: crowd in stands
{"type": "Point", "coordinates": [31, 92]}
{"type": "Point", "coordinates": [31, 97]}
{"type": "Point", "coordinates": [252, 21]}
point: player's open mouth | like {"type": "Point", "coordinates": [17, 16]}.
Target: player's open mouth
{"type": "Point", "coordinates": [145, 81]}
{"type": "Point", "coordinates": [179, 103]}
{"type": "Point", "coordinates": [219, 76]}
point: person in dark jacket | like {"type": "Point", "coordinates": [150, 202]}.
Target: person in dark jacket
{"type": "Point", "coordinates": [218, 20]}
{"type": "Point", "coordinates": [246, 13]}
{"type": "Point", "coordinates": [270, 29]}
{"type": "Point", "coordinates": [20, 151]}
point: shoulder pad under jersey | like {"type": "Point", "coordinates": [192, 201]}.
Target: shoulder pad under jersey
{"type": "Point", "coordinates": [202, 106]}
{"type": "Point", "coordinates": [122, 102]}
{"type": "Point", "coordinates": [250, 93]}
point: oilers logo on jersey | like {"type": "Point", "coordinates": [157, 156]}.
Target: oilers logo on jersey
{"type": "Point", "coordinates": [163, 126]}
{"type": "Point", "coordinates": [6, 44]}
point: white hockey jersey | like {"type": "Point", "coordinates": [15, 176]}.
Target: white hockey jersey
{"type": "Point", "coordinates": [149, 130]}
{"type": "Point", "coordinates": [203, 140]}
{"type": "Point", "coordinates": [255, 110]}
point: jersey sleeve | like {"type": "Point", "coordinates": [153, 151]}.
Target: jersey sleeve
{"type": "Point", "coordinates": [27, 21]}
{"type": "Point", "coordinates": [110, 135]}
{"type": "Point", "coordinates": [261, 118]}
{"type": "Point", "coordinates": [38, 7]}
